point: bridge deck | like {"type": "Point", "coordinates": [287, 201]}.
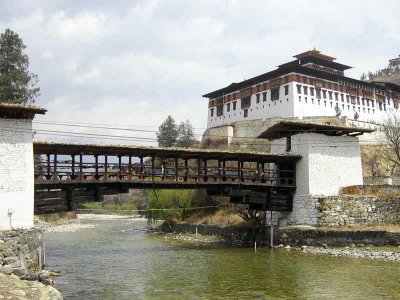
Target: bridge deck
{"type": "Point", "coordinates": [98, 168]}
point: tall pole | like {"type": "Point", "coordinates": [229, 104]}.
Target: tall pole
{"type": "Point", "coordinates": [272, 232]}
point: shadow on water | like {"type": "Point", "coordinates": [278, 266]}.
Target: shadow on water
{"type": "Point", "coordinates": [116, 259]}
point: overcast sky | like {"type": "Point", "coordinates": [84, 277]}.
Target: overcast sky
{"type": "Point", "coordinates": [135, 62]}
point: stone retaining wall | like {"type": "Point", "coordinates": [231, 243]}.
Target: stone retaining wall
{"type": "Point", "coordinates": [350, 210]}
{"type": "Point", "coordinates": [386, 191]}
{"type": "Point", "coordinates": [246, 236]}
{"type": "Point", "coordinates": [380, 180]}
{"type": "Point", "coordinates": [21, 252]}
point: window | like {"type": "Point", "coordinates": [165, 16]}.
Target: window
{"type": "Point", "coordinates": [288, 143]}
{"type": "Point", "coordinates": [330, 95]}
{"type": "Point", "coordinates": [337, 96]}
{"type": "Point", "coordinates": [275, 94]}
{"type": "Point", "coordinates": [342, 96]}
{"type": "Point", "coordinates": [220, 110]}
{"type": "Point", "coordinates": [264, 96]}
{"type": "Point", "coordinates": [305, 89]}
{"type": "Point", "coordinates": [246, 113]}
{"type": "Point", "coordinates": [228, 107]}
{"type": "Point", "coordinates": [246, 92]}
{"type": "Point", "coordinates": [318, 93]}
{"type": "Point", "coordinates": [324, 94]}
{"type": "Point", "coordinates": [275, 82]}
{"type": "Point", "coordinates": [286, 90]}
{"type": "Point", "coordinates": [212, 112]}
{"type": "Point", "coordinates": [298, 89]}
{"type": "Point", "coordinates": [234, 105]}
{"type": "Point", "coordinates": [245, 103]}
{"type": "Point", "coordinates": [258, 98]}
{"type": "Point", "coordinates": [312, 91]}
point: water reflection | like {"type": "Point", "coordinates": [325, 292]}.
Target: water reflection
{"type": "Point", "coordinates": [116, 261]}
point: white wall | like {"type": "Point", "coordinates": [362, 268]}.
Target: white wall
{"type": "Point", "coordinates": [262, 110]}
{"type": "Point", "coordinates": [299, 105]}
{"type": "Point", "coordinates": [328, 163]}
{"type": "Point", "coordinates": [16, 173]}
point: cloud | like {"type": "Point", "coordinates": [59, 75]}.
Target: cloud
{"type": "Point", "coordinates": [135, 62]}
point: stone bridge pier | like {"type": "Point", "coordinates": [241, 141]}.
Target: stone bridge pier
{"type": "Point", "coordinates": [16, 165]}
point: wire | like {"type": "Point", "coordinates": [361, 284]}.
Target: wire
{"type": "Point", "coordinates": [104, 124]}
{"type": "Point", "coordinates": [153, 131]}
{"type": "Point", "coordinates": [134, 138]}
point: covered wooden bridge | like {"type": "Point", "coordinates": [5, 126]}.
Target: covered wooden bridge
{"type": "Point", "coordinates": [70, 173]}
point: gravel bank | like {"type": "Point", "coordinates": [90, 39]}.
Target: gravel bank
{"type": "Point", "coordinates": [197, 239]}
{"type": "Point", "coordinates": [67, 226]}
{"type": "Point", "coordinates": [358, 253]}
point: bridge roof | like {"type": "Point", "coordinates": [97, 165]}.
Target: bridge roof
{"type": "Point", "coordinates": [146, 151]}
{"type": "Point", "coordinates": [20, 111]}
{"type": "Point", "coordinates": [289, 128]}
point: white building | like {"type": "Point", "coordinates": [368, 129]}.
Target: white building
{"type": "Point", "coordinates": [312, 85]}
{"type": "Point", "coordinates": [16, 165]}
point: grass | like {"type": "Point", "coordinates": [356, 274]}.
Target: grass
{"type": "Point", "coordinates": [99, 205]}
{"type": "Point", "coordinates": [217, 217]}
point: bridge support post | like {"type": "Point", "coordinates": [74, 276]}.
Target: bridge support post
{"type": "Point", "coordinates": [70, 198]}
{"type": "Point", "coordinates": [176, 169]}
{"type": "Point", "coordinates": [130, 168]}
{"type": "Point", "coordinates": [97, 193]}
{"type": "Point", "coordinates": [96, 167]}
{"type": "Point", "coordinates": [186, 171]}
{"type": "Point", "coordinates": [81, 167]}
{"type": "Point", "coordinates": [72, 167]}
{"type": "Point", "coordinates": [48, 175]}
{"type": "Point", "coordinates": [105, 177]}
{"type": "Point", "coordinates": [17, 177]}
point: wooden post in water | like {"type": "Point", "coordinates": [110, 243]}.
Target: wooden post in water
{"type": "Point", "coordinates": [272, 232]}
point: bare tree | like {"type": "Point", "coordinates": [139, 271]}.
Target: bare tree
{"type": "Point", "coordinates": [391, 144]}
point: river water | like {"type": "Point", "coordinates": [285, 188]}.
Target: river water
{"type": "Point", "coordinates": [117, 259]}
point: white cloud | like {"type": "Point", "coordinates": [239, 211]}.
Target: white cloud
{"type": "Point", "coordinates": [135, 62]}
{"type": "Point", "coordinates": [47, 54]}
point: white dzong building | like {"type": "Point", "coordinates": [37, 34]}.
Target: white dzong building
{"type": "Point", "coordinates": [312, 85]}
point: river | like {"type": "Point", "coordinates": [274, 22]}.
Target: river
{"type": "Point", "coordinates": [117, 259]}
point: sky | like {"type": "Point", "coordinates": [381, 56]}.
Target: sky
{"type": "Point", "coordinates": [134, 62]}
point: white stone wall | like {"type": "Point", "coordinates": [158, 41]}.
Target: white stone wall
{"type": "Point", "coordinates": [328, 163]}
{"type": "Point", "coordinates": [262, 110]}
{"type": "Point", "coordinates": [16, 173]}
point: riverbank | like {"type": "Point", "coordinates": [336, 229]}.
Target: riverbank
{"type": "Point", "coordinates": [21, 262]}
{"type": "Point", "coordinates": [12, 287]}
{"type": "Point", "coordinates": [360, 244]}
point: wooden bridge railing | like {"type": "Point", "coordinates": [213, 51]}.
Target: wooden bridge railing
{"type": "Point", "coordinates": [104, 163]}
{"type": "Point", "coordinates": [164, 171]}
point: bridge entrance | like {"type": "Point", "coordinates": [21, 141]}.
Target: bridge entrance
{"type": "Point", "coordinates": [66, 174]}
